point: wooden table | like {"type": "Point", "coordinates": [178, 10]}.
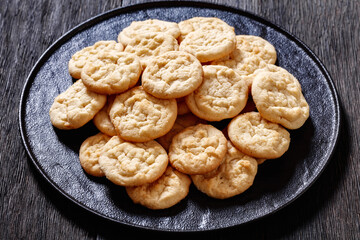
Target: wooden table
{"type": "Point", "coordinates": [31, 209]}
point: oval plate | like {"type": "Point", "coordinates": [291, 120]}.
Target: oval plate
{"type": "Point", "coordinates": [278, 183]}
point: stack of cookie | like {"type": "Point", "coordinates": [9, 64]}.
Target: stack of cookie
{"type": "Point", "coordinates": [155, 95]}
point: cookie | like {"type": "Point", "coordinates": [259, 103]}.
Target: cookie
{"type": "Point", "coordinates": [148, 26]}
{"type": "Point", "coordinates": [256, 46]}
{"type": "Point", "coordinates": [80, 58]}
{"type": "Point", "coordinates": [209, 43]}
{"type": "Point", "coordinates": [75, 107]}
{"type": "Point", "coordinates": [181, 122]}
{"type": "Point", "coordinates": [234, 176]}
{"type": "Point", "coordinates": [195, 23]}
{"type": "Point", "coordinates": [197, 149]}
{"type": "Point", "coordinates": [182, 107]}
{"type": "Point", "coordinates": [258, 137]}
{"type": "Point", "coordinates": [278, 97]}
{"type": "Point", "coordinates": [251, 53]}
{"type": "Point", "coordinates": [247, 67]}
{"type": "Point", "coordinates": [89, 154]}
{"type": "Point", "coordinates": [102, 120]}
{"type": "Point", "coordinates": [147, 46]}
{"type": "Point", "coordinates": [260, 160]}
{"type": "Point", "coordinates": [168, 190]}
{"type": "Point", "coordinates": [112, 72]}
{"type": "Point", "coordinates": [173, 74]}
{"type": "Point", "coordinates": [132, 164]}
{"type": "Point", "coordinates": [222, 94]}
{"type": "Point", "coordinates": [139, 117]}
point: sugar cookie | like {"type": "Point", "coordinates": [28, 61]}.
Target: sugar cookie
{"type": "Point", "coordinates": [181, 106]}
{"type": "Point", "coordinates": [132, 164]}
{"type": "Point", "coordinates": [182, 122]}
{"type": "Point", "coordinates": [260, 160]}
{"type": "Point", "coordinates": [278, 97]}
{"type": "Point", "coordinates": [234, 176]}
{"type": "Point", "coordinates": [139, 117]}
{"type": "Point", "coordinates": [90, 152]}
{"type": "Point", "coordinates": [251, 53]}
{"type": "Point", "coordinates": [148, 26]}
{"type": "Point", "coordinates": [173, 74]}
{"type": "Point", "coordinates": [112, 72]}
{"type": "Point", "coordinates": [146, 46]}
{"type": "Point", "coordinates": [168, 190]}
{"type": "Point", "coordinates": [80, 58]}
{"type": "Point", "coordinates": [197, 149]}
{"type": "Point", "coordinates": [258, 137]}
{"type": "Point", "coordinates": [75, 107]}
{"type": "Point", "coordinates": [222, 94]}
{"type": "Point", "coordinates": [190, 25]}
{"type": "Point", "coordinates": [209, 43]}
{"type": "Point", "coordinates": [256, 46]}
{"type": "Point", "coordinates": [102, 120]}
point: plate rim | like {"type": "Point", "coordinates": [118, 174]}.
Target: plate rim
{"type": "Point", "coordinates": [169, 4]}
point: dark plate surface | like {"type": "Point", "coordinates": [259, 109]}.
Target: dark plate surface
{"type": "Point", "coordinates": [278, 182]}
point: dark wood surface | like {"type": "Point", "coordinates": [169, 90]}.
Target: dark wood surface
{"type": "Point", "coordinates": [31, 209]}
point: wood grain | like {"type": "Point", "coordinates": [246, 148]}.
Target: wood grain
{"type": "Point", "coordinates": [32, 209]}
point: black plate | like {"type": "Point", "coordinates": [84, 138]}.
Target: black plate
{"type": "Point", "coordinates": [278, 183]}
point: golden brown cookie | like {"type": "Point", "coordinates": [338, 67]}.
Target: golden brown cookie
{"type": "Point", "coordinates": [132, 164]}
{"type": "Point", "coordinates": [168, 190]}
{"type": "Point", "coordinates": [75, 107]}
{"type": "Point", "coordinates": [222, 94]}
{"type": "Point", "coordinates": [89, 154]}
{"type": "Point", "coordinates": [137, 28]}
{"type": "Point", "coordinates": [112, 72]}
{"type": "Point", "coordinates": [80, 58]}
{"type": "Point", "coordinates": [139, 117]}
{"type": "Point", "coordinates": [197, 149]}
{"type": "Point", "coordinates": [258, 137]}
{"type": "Point", "coordinates": [173, 74]}
{"type": "Point", "coordinates": [147, 46]}
{"type": "Point", "coordinates": [234, 176]}
{"type": "Point", "coordinates": [278, 97]}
